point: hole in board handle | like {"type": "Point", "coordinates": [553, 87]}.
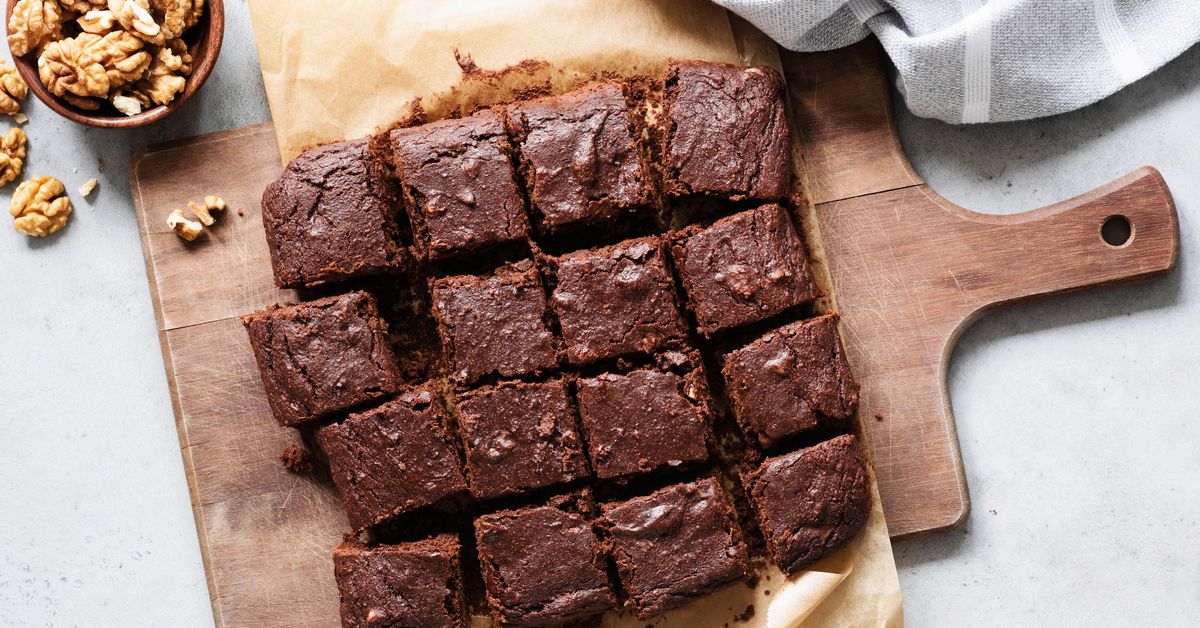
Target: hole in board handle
{"type": "Point", "coordinates": [1116, 231]}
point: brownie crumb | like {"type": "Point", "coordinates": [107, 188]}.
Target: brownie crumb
{"type": "Point", "coordinates": [745, 615]}
{"type": "Point", "coordinates": [297, 459]}
{"type": "Point", "coordinates": [878, 416]}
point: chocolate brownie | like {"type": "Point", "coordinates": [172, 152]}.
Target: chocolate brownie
{"type": "Point", "coordinates": [616, 301]}
{"type": "Point", "coordinates": [518, 437]}
{"type": "Point", "coordinates": [784, 382]}
{"type": "Point", "coordinates": [393, 459]}
{"type": "Point", "coordinates": [811, 502]}
{"type": "Point", "coordinates": [726, 132]}
{"type": "Point", "coordinates": [459, 185]}
{"type": "Point", "coordinates": [675, 545]}
{"type": "Point", "coordinates": [331, 215]}
{"type": "Point", "coordinates": [543, 564]}
{"type": "Point", "coordinates": [494, 325]}
{"type": "Point", "coordinates": [323, 356]}
{"type": "Point", "coordinates": [644, 420]}
{"type": "Point", "coordinates": [578, 154]}
{"type": "Point", "coordinates": [743, 268]}
{"type": "Point", "coordinates": [414, 585]}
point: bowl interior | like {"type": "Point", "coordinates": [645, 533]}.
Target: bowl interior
{"type": "Point", "coordinates": [204, 44]}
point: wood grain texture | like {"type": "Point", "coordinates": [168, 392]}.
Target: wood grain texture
{"type": "Point", "coordinates": [910, 272]}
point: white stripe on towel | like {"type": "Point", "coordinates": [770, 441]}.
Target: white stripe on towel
{"type": "Point", "coordinates": [977, 65]}
{"type": "Point", "coordinates": [1125, 58]}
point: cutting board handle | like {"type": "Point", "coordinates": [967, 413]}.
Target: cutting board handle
{"type": "Point", "coordinates": [1122, 231]}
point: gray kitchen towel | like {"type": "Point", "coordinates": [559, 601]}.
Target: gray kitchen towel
{"type": "Point", "coordinates": [981, 61]}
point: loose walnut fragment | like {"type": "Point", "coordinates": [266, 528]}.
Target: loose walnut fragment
{"type": "Point", "coordinates": [12, 155]}
{"type": "Point", "coordinates": [92, 65]}
{"type": "Point", "coordinates": [88, 187]}
{"type": "Point", "coordinates": [39, 206]}
{"type": "Point", "coordinates": [97, 22]}
{"type": "Point", "coordinates": [183, 226]}
{"type": "Point", "coordinates": [204, 212]}
{"type": "Point", "coordinates": [12, 88]}
{"type": "Point", "coordinates": [135, 18]}
{"type": "Point", "coordinates": [32, 24]}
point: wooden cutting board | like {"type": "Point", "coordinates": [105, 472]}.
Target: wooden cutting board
{"type": "Point", "coordinates": [910, 269]}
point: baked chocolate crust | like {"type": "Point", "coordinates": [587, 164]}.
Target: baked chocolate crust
{"type": "Point", "coordinates": [542, 565]}
{"type": "Point", "coordinates": [786, 381]}
{"type": "Point", "coordinates": [644, 420]}
{"type": "Point", "coordinates": [675, 545]}
{"type": "Point", "coordinates": [727, 134]}
{"type": "Point", "coordinates": [579, 157]}
{"type": "Point", "coordinates": [414, 585]}
{"type": "Point", "coordinates": [743, 268]}
{"type": "Point", "coordinates": [494, 325]}
{"type": "Point", "coordinates": [323, 356]}
{"type": "Point", "coordinates": [519, 437]}
{"type": "Point", "coordinates": [393, 459]}
{"type": "Point", "coordinates": [616, 301]}
{"type": "Point", "coordinates": [330, 216]}
{"type": "Point", "coordinates": [811, 502]}
{"type": "Point", "coordinates": [459, 184]}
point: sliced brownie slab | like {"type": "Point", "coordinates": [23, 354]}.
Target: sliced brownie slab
{"type": "Point", "coordinates": [415, 585]}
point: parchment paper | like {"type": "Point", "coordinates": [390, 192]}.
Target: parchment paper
{"type": "Point", "coordinates": [337, 70]}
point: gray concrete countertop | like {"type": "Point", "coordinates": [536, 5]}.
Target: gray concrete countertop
{"type": "Point", "coordinates": [1077, 416]}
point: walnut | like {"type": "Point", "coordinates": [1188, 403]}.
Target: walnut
{"type": "Point", "coordinates": [178, 15]}
{"type": "Point", "coordinates": [164, 80]}
{"type": "Point", "coordinates": [91, 64]}
{"type": "Point", "coordinates": [12, 155]}
{"type": "Point", "coordinates": [204, 212]}
{"type": "Point", "coordinates": [98, 22]}
{"type": "Point", "coordinates": [82, 6]}
{"type": "Point", "coordinates": [32, 24]}
{"type": "Point", "coordinates": [39, 206]}
{"type": "Point", "coordinates": [185, 228]}
{"type": "Point", "coordinates": [135, 18]}
{"type": "Point", "coordinates": [127, 105]}
{"type": "Point", "coordinates": [87, 104]}
{"type": "Point", "coordinates": [12, 88]}
{"type": "Point", "coordinates": [88, 187]}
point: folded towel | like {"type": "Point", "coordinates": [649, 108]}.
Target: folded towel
{"type": "Point", "coordinates": [980, 61]}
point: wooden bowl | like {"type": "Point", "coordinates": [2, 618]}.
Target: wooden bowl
{"type": "Point", "coordinates": [204, 43]}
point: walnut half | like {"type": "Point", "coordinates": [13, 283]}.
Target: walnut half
{"type": "Point", "coordinates": [12, 88]}
{"type": "Point", "coordinates": [12, 155]}
{"type": "Point", "coordinates": [90, 65]}
{"type": "Point", "coordinates": [32, 24]}
{"type": "Point", "coordinates": [40, 207]}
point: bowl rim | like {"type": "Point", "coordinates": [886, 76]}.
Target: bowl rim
{"type": "Point", "coordinates": [211, 38]}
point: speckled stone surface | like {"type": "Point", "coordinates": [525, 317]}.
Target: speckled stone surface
{"type": "Point", "coordinates": [1077, 416]}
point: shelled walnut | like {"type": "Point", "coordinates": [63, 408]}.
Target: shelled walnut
{"type": "Point", "coordinates": [40, 206]}
{"type": "Point", "coordinates": [191, 228]}
{"type": "Point", "coordinates": [12, 89]}
{"type": "Point", "coordinates": [128, 53]}
{"type": "Point", "coordinates": [12, 155]}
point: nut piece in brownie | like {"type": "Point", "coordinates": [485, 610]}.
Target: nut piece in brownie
{"type": "Point", "coordinates": [810, 502]}
{"type": "Point", "coordinates": [743, 268]}
{"type": "Point", "coordinates": [579, 156]}
{"type": "Point", "coordinates": [322, 356]}
{"type": "Point", "coordinates": [788, 379]}
{"type": "Point", "coordinates": [459, 185]}
{"type": "Point", "coordinates": [543, 564]}
{"type": "Point", "coordinates": [494, 325]}
{"type": "Point", "coordinates": [675, 545]}
{"type": "Point", "coordinates": [727, 134]}
{"type": "Point", "coordinates": [519, 437]}
{"type": "Point", "coordinates": [645, 420]}
{"type": "Point", "coordinates": [616, 301]}
{"type": "Point", "coordinates": [417, 584]}
{"type": "Point", "coordinates": [331, 215]}
{"type": "Point", "coordinates": [393, 459]}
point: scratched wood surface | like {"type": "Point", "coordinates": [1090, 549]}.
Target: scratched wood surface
{"type": "Point", "coordinates": [910, 271]}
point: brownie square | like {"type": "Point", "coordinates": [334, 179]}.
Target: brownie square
{"type": "Point", "coordinates": [494, 325]}
{"type": "Point", "coordinates": [784, 382]}
{"type": "Point", "coordinates": [616, 301]}
{"type": "Point", "coordinates": [644, 420]}
{"type": "Point", "coordinates": [543, 564]}
{"type": "Point", "coordinates": [811, 502]}
{"type": "Point", "coordinates": [331, 215]}
{"type": "Point", "coordinates": [323, 356]}
{"type": "Point", "coordinates": [675, 545]}
{"type": "Point", "coordinates": [743, 268]}
{"type": "Point", "coordinates": [417, 584]}
{"type": "Point", "coordinates": [393, 459]}
{"type": "Point", "coordinates": [459, 185]}
{"type": "Point", "coordinates": [579, 156]}
{"type": "Point", "coordinates": [727, 134]}
{"type": "Point", "coordinates": [519, 437]}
